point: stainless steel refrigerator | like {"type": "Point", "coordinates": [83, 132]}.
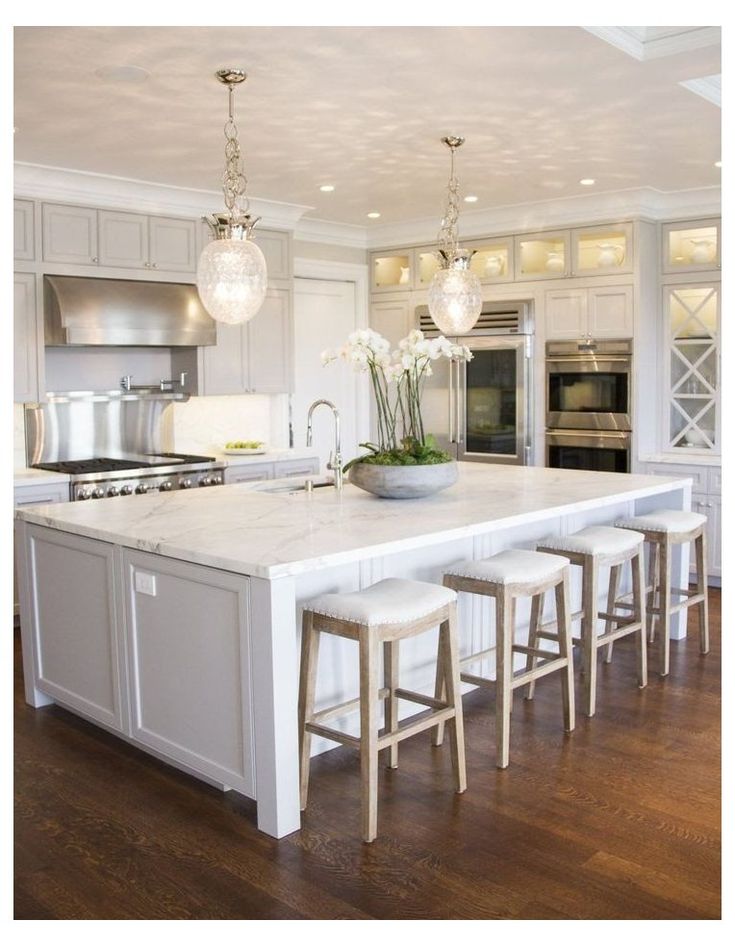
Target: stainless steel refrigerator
{"type": "Point", "coordinates": [481, 410]}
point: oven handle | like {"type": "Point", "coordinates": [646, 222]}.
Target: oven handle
{"type": "Point", "coordinates": [580, 438]}
{"type": "Point", "coordinates": [587, 364]}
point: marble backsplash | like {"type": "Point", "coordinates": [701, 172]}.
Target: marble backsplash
{"type": "Point", "coordinates": [204, 424]}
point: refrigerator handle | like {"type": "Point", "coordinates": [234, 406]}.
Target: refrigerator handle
{"type": "Point", "coordinates": [459, 403]}
{"type": "Point", "coordinates": [451, 401]}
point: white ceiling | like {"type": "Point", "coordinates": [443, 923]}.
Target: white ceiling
{"type": "Point", "coordinates": [364, 108]}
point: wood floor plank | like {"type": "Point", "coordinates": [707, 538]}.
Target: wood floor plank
{"type": "Point", "coordinates": [620, 819]}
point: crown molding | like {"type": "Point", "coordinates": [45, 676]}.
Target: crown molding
{"type": "Point", "coordinates": [121, 193]}
{"type": "Point", "coordinates": [708, 87]}
{"type": "Point", "coordinates": [644, 43]}
{"type": "Point", "coordinates": [643, 203]}
{"type": "Point", "coordinates": [312, 230]}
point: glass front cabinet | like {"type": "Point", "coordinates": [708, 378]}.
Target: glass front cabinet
{"type": "Point", "coordinates": [542, 255]}
{"type": "Point", "coordinates": [390, 271]}
{"type": "Point", "coordinates": [602, 250]}
{"type": "Point", "coordinates": [690, 246]}
{"type": "Point", "coordinates": [692, 324]}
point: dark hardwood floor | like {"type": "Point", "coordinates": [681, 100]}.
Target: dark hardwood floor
{"type": "Point", "coordinates": [619, 820]}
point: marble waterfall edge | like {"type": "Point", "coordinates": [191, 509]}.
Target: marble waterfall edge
{"type": "Point", "coordinates": [403, 482]}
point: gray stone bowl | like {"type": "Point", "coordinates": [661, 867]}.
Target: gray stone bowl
{"type": "Point", "coordinates": [403, 482]}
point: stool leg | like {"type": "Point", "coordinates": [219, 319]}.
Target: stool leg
{"type": "Point", "coordinates": [653, 581]}
{"type": "Point", "coordinates": [664, 597]}
{"type": "Point", "coordinates": [503, 672]}
{"type": "Point", "coordinates": [589, 634]}
{"type": "Point", "coordinates": [307, 689]}
{"type": "Point", "coordinates": [448, 637]}
{"type": "Point", "coordinates": [639, 614]}
{"type": "Point", "coordinates": [440, 693]}
{"type": "Point", "coordinates": [369, 733]}
{"type": "Point", "coordinates": [536, 611]}
{"type": "Point", "coordinates": [700, 547]}
{"type": "Point", "coordinates": [564, 625]}
{"type": "Point", "coordinates": [390, 664]}
{"type": "Point", "coordinates": [612, 597]}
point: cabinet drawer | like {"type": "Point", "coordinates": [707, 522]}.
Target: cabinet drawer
{"type": "Point", "coordinates": [297, 467]}
{"type": "Point", "coordinates": [37, 495]}
{"type": "Point", "coordinates": [697, 473]}
{"type": "Point", "coordinates": [249, 473]}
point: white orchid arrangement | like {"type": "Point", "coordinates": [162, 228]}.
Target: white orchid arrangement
{"type": "Point", "coordinates": [398, 380]}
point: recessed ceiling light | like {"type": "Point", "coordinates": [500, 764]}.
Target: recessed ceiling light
{"type": "Point", "coordinates": [587, 181]}
{"type": "Point", "coordinates": [718, 164]}
{"type": "Point", "coordinates": [373, 215]}
{"type": "Point", "coordinates": [327, 188]}
{"type": "Point", "coordinates": [471, 199]}
{"type": "Point", "coordinates": [130, 74]}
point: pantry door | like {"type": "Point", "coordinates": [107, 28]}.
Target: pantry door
{"type": "Point", "coordinates": [325, 312]}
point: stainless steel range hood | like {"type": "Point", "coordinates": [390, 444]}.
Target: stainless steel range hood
{"type": "Point", "coordinates": [82, 310]}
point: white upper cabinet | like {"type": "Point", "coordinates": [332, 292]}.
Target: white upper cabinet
{"type": "Point", "coordinates": [23, 230]}
{"type": "Point", "coordinates": [602, 250]}
{"type": "Point", "coordinates": [393, 318]}
{"type": "Point", "coordinates": [69, 234]}
{"type": "Point", "coordinates": [566, 313]}
{"type": "Point", "coordinates": [542, 255]}
{"type": "Point", "coordinates": [118, 240]}
{"type": "Point", "coordinates": [172, 242]}
{"type": "Point", "coordinates": [600, 312]}
{"type": "Point", "coordinates": [123, 239]}
{"type": "Point", "coordinates": [27, 347]}
{"type": "Point", "coordinates": [691, 246]}
{"type": "Point", "coordinates": [276, 249]}
{"type": "Point", "coordinates": [393, 270]}
{"type": "Point", "coordinates": [269, 345]}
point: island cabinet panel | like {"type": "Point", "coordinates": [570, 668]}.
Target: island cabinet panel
{"type": "Point", "coordinates": [78, 646]}
{"type": "Point", "coordinates": [189, 666]}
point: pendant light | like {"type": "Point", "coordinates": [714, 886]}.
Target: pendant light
{"type": "Point", "coordinates": [455, 296]}
{"type": "Point", "coordinates": [231, 276]}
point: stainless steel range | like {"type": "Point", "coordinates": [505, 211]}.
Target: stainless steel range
{"type": "Point", "coordinates": [114, 444]}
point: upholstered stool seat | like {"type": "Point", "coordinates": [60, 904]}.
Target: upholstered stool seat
{"type": "Point", "coordinates": [507, 576]}
{"type": "Point", "coordinates": [662, 530]}
{"type": "Point", "coordinates": [593, 548]}
{"type": "Point", "coordinates": [385, 613]}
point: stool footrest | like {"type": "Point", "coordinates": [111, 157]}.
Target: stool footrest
{"type": "Point", "coordinates": [343, 709]}
{"type": "Point", "coordinates": [526, 676]}
{"type": "Point", "coordinates": [477, 681]}
{"type": "Point", "coordinates": [630, 628]}
{"type": "Point", "coordinates": [535, 652]}
{"type": "Point", "coordinates": [334, 734]}
{"type": "Point", "coordinates": [407, 729]}
{"type": "Point", "coordinates": [421, 698]}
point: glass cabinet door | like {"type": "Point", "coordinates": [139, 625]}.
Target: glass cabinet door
{"type": "Point", "coordinates": [427, 263]}
{"type": "Point", "coordinates": [391, 271]}
{"type": "Point", "coordinates": [542, 255]}
{"type": "Point", "coordinates": [492, 260]}
{"type": "Point", "coordinates": [600, 250]}
{"type": "Point", "coordinates": [692, 315]}
{"type": "Point", "coordinates": [690, 246]}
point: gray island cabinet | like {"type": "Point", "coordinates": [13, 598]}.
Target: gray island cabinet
{"type": "Point", "coordinates": [172, 620]}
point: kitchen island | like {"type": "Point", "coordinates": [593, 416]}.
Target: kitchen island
{"type": "Point", "coordinates": [172, 619]}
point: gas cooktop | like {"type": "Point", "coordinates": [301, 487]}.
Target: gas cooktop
{"type": "Point", "coordinates": [115, 464]}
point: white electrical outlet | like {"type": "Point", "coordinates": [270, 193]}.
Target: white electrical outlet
{"type": "Point", "coordinates": [145, 583]}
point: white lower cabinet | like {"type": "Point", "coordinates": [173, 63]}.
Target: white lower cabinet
{"type": "Point", "coordinates": [78, 639]}
{"type": "Point", "coordinates": [189, 666]}
{"type": "Point", "coordinates": [257, 472]}
{"type": "Point", "coordinates": [36, 496]}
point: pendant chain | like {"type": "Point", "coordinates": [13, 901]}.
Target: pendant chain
{"type": "Point", "coordinates": [448, 237]}
{"type": "Point", "coordinates": [234, 182]}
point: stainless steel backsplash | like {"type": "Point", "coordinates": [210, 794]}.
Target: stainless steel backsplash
{"type": "Point", "coordinates": [82, 424]}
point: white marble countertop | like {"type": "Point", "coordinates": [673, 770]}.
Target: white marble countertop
{"type": "Point", "coordinates": [697, 459]}
{"type": "Point", "coordinates": [275, 535]}
{"type": "Point", "coordinates": [27, 476]}
{"type": "Point", "coordinates": [270, 456]}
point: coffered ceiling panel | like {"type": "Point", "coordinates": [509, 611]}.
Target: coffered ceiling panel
{"type": "Point", "coordinates": [364, 108]}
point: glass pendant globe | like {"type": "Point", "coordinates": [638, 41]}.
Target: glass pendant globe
{"type": "Point", "coordinates": [455, 300]}
{"type": "Point", "coordinates": [232, 280]}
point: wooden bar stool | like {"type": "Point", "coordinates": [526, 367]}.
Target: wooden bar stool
{"type": "Point", "coordinates": [385, 613]}
{"type": "Point", "coordinates": [664, 529]}
{"type": "Point", "coordinates": [594, 548]}
{"type": "Point", "coordinates": [505, 577]}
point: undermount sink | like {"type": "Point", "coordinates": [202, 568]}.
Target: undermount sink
{"type": "Point", "coordinates": [292, 484]}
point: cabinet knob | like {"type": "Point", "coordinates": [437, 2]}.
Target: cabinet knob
{"type": "Point", "coordinates": [95, 259]}
{"type": "Point", "coordinates": [147, 265]}
{"type": "Point", "coordinates": [154, 265]}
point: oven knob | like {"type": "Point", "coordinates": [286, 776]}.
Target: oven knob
{"type": "Point", "coordinates": [186, 484]}
{"type": "Point", "coordinates": [84, 494]}
{"type": "Point", "coordinates": [205, 481]}
{"type": "Point", "coordinates": [98, 492]}
{"type": "Point", "coordinates": [126, 490]}
{"type": "Point", "coordinates": [113, 491]}
{"type": "Point", "coordinates": [142, 488]}
{"type": "Point", "coordinates": [166, 486]}
{"type": "Point", "coordinates": [217, 479]}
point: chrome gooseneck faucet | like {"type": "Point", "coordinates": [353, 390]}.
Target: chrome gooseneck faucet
{"type": "Point", "coordinates": [335, 457]}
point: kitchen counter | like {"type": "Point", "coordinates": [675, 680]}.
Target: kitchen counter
{"type": "Point", "coordinates": [274, 535]}
{"type": "Point", "coordinates": [682, 459]}
{"type": "Point", "coordinates": [27, 476]}
{"type": "Point", "coordinates": [173, 620]}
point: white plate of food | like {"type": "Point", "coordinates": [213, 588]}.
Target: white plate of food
{"type": "Point", "coordinates": [244, 447]}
